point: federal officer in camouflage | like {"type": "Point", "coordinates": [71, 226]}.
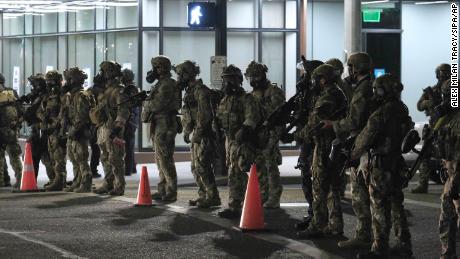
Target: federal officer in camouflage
{"type": "Point", "coordinates": [448, 138]}
{"type": "Point", "coordinates": [112, 112]}
{"type": "Point", "coordinates": [359, 106]}
{"type": "Point", "coordinates": [39, 137]}
{"type": "Point", "coordinates": [238, 114]}
{"type": "Point", "coordinates": [330, 105]}
{"type": "Point", "coordinates": [382, 138]}
{"type": "Point", "coordinates": [49, 115]}
{"type": "Point", "coordinates": [10, 122]}
{"type": "Point", "coordinates": [269, 157]}
{"type": "Point", "coordinates": [75, 120]}
{"type": "Point", "coordinates": [430, 98]}
{"type": "Point", "coordinates": [197, 119]}
{"type": "Point", "coordinates": [160, 110]}
{"type": "Point", "coordinates": [132, 122]}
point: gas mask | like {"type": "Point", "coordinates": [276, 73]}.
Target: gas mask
{"type": "Point", "coordinates": [152, 75]}
{"type": "Point", "coordinates": [229, 86]}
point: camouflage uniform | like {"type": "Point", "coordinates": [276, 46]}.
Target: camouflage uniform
{"type": "Point", "coordinates": [76, 120]}
{"type": "Point", "coordinates": [269, 97]}
{"type": "Point", "coordinates": [132, 122]}
{"type": "Point", "coordinates": [359, 105]}
{"type": "Point", "coordinates": [382, 137]}
{"type": "Point", "coordinates": [160, 110]}
{"type": "Point", "coordinates": [238, 114]}
{"type": "Point", "coordinates": [49, 115]}
{"type": "Point", "coordinates": [325, 174]}
{"type": "Point", "coordinates": [9, 121]}
{"type": "Point", "coordinates": [113, 112]}
{"type": "Point", "coordinates": [448, 139]}
{"type": "Point", "coordinates": [430, 98]}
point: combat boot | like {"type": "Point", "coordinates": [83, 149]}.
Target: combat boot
{"type": "Point", "coordinates": [56, 185]}
{"type": "Point", "coordinates": [310, 232]}
{"type": "Point", "coordinates": [304, 224]}
{"type": "Point", "coordinates": [105, 188]}
{"type": "Point", "coordinates": [421, 188]}
{"type": "Point", "coordinates": [355, 243]}
{"type": "Point", "coordinates": [370, 255]}
{"type": "Point", "coordinates": [213, 202]}
{"type": "Point", "coordinates": [75, 184]}
{"type": "Point", "coordinates": [117, 191]}
{"type": "Point", "coordinates": [401, 249]}
{"type": "Point", "coordinates": [272, 203]}
{"type": "Point", "coordinates": [333, 231]}
{"type": "Point", "coordinates": [85, 185]}
{"type": "Point", "coordinates": [157, 196]}
{"type": "Point", "coordinates": [169, 197]}
{"type": "Point", "coordinates": [195, 201]}
{"type": "Point", "coordinates": [229, 213]}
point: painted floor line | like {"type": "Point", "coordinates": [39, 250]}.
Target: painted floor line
{"type": "Point", "coordinates": [64, 253]}
{"type": "Point", "coordinates": [291, 244]}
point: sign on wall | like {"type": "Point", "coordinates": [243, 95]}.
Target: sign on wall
{"type": "Point", "coordinates": [126, 65]}
{"type": "Point", "coordinates": [88, 81]}
{"type": "Point", "coordinates": [201, 14]}
{"type": "Point", "coordinates": [218, 63]}
{"type": "Point", "coordinates": [16, 78]}
{"type": "Point", "coordinates": [48, 68]}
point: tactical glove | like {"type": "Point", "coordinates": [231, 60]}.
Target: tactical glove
{"type": "Point", "coordinates": [243, 134]}
{"type": "Point", "coordinates": [115, 132]}
{"type": "Point", "coordinates": [187, 138]}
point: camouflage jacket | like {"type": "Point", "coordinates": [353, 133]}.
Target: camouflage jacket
{"type": "Point", "coordinates": [48, 112]}
{"type": "Point", "coordinates": [164, 100]}
{"type": "Point", "coordinates": [196, 112]}
{"type": "Point", "coordinates": [270, 99]}
{"type": "Point", "coordinates": [359, 106]}
{"type": "Point", "coordinates": [116, 114]}
{"type": "Point", "coordinates": [329, 102]}
{"type": "Point", "coordinates": [448, 136]}
{"type": "Point", "coordinates": [430, 98]}
{"type": "Point", "coordinates": [237, 110]}
{"type": "Point", "coordinates": [77, 114]}
{"type": "Point", "coordinates": [9, 116]}
{"type": "Point", "coordinates": [384, 132]}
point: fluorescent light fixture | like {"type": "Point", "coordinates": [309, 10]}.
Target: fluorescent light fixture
{"type": "Point", "coordinates": [376, 2]}
{"type": "Point", "coordinates": [32, 2]}
{"type": "Point", "coordinates": [6, 6]}
{"type": "Point", "coordinates": [433, 2]}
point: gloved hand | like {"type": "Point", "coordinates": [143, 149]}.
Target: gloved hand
{"type": "Point", "coordinates": [243, 134]}
{"type": "Point", "coordinates": [187, 138]}
{"type": "Point", "coordinates": [119, 142]}
{"type": "Point", "coordinates": [74, 133]}
{"type": "Point", "coordinates": [114, 133]}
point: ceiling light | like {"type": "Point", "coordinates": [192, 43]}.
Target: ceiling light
{"type": "Point", "coordinates": [376, 2]}
{"type": "Point", "coordinates": [433, 2]}
{"type": "Point", "coordinates": [31, 2]}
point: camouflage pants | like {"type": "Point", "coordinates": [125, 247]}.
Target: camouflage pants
{"type": "Point", "coordinates": [112, 158]}
{"type": "Point", "coordinates": [327, 210]}
{"type": "Point", "coordinates": [448, 217]}
{"type": "Point", "coordinates": [40, 153]}
{"type": "Point", "coordinates": [163, 141]}
{"type": "Point", "coordinates": [267, 162]}
{"type": "Point", "coordinates": [58, 155]}
{"type": "Point", "coordinates": [78, 153]}
{"type": "Point", "coordinates": [202, 170]}
{"type": "Point", "coordinates": [237, 179]}
{"type": "Point", "coordinates": [14, 152]}
{"type": "Point", "coordinates": [304, 163]}
{"type": "Point", "coordinates": [2, 165]}
{"type": "Point", "coordinates": [360, 199]}
{"type": "Point", "coordinates": [425, 171]}
{"type": "Point", "coordinates": [398, 215]}
{"type": "Point", "coordinates": [218, 162]}
{"type": "Point", "coordinates": [380, 188]}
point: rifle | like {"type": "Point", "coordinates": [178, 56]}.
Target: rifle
{"type": "Point", "coordinates": [319, 125]}
{"type": "Point", "coordinates": [137, 99]}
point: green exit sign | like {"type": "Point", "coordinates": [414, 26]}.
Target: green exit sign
{"type": "Point", "coordinates": [372, 15]}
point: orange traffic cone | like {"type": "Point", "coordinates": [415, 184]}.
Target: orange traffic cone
{"type": "Point", "coordinates": [144, 197]}
{"type": "Point", "coordinates": [28, 181]}
{"type": "Point", "coordinates": [252, 216]}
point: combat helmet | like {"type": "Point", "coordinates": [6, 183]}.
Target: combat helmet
{"type": "Point", "coordinates": [162, 63]}
{"type": "Point", "coordinates": [188, 67]}
{"type": "Point", "coordinates": [443, 71]}
{"type": "Point", "coordinates": [337, 64]}
{"type": "Point", "coordinates": [54, 76]}
{"type": "Point", "coordinates": [111, 68]}
{"type": "Point", "coordinates": [255, 69]}
{"type": "Point", "coordinates": [325, 71]}
{"type": "Point", "coordinates": [232, 70]}
{"type": "Point", "coordinates": [37, 80]}
{"type": "Point", "coordinates": [75, 75]}
{"type": "Point", "coordinates": [127, 74]}
{"type": "Point", "coordinates": [387, 87]}
{"type": "Point", "coordinates": [360, 61]}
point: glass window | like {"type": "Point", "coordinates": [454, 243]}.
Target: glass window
{"type": "Point", "coordinates": [150, 48]}
{"type": "Point", "coordinates": [13, 63]}
{"type": "Point", "coordinates": [150, 14]}
{"type": "Point", "coordinates": [242, 13]}
{"type": "Point", "coordinates": [126, 16]}
{"type": "Point", "coordinates": [100, 18]}
{"type": "Point", "coordinates": [62, 22]}
{"type": "Point", "coordinates": [198, 46]}
{"type": "Point", "coordinates": [71, 21]}
{"type": "Point", "coordinates": [290, 63]}
{"type": "Point", "coordinates": [273, 56]}
{"type": "Point", "coordinates": [13, 24]}
{"type": "Point", "coordinates": [48, 23]}
{"type": "Point", "coordinates": [62, 50]}
{"type": "Point", "coordinates": [123, 48]}
{"type": "Point", "coordinates": [45, 54]}
{"type": "Point", "coordinates": [175, 13]}
{"type": "Point", "coordinates": [29, 20]}
{"type": "Point", "coordinates": [291, 14]}
{"type": "Point", "coordinates": [241, 49]}
{"type": "Point", "coordinates": [81, 54]}
{"type": "Point", "coordinates": [85, 20]}
{"type": "Point", "coordinates": [273, 14]}
{"type": "Point", "coordinates": [100, 49]}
